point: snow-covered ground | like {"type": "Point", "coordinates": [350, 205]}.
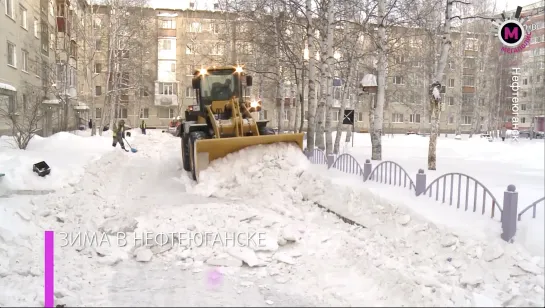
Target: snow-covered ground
{"type": "Point", "coordinates": [495, 164]}
{"type": "Point", "coordinates": [308, 257]}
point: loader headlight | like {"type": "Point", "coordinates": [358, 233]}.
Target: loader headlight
{"type": "Point", "coordinates": [203, 71]}
{"type": "Point", "coordinates": [254, 104]}
{"type": "Point", "coordinates": [238, 69]}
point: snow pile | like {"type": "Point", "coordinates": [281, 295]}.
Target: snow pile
{"type": "Point", "coordinates": [65, 153]}
{"type": "Point", "coordinates": [402, 259]}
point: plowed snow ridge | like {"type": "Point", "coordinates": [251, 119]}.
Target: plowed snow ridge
{"type": "Point", "coordinates": [398, 260]}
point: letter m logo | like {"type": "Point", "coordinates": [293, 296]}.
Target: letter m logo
{"type": "Point", "coordinates": [510, 33]}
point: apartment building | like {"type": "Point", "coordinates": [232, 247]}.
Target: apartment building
{"type": "Point", "coordinates": [532, 109]}
{"type": "Point", "coordinates": [120, 63]}
{"type": "Point", "coordinates": [28, 30]}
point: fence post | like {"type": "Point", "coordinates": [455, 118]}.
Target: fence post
{"type": "Point", "coordinates": [509, 213]}
{"type": "Point", "coordinates": [330, 160]}
{"type": "Point", "coordinates": [420, 185]}
{"type": "Point", "coordinates": [367, 168]}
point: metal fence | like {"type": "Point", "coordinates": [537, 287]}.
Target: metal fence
{"type": "Point", "coordinates": [452, 188]}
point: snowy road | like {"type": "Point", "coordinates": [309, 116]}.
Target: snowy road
{"type": "Point", "coordinates": [397, 260]}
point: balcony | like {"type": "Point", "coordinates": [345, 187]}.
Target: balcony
{"type": "Point", "coordinates": [166, 100]}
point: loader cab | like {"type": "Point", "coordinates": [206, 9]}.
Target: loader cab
{"type": "Point", "coordinates": [220, 84]}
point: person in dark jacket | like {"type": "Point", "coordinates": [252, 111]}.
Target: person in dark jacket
{"type": "Point", "coordinates": [118, 133]}
{"type": "Point", "coordinates": [90, 123]}
{"type": "Point", "coordinates": [143, 127]}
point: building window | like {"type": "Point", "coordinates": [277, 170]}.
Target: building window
{"type": "Point", "coordinates": [466, 120]}
{"type": "Point", "coordinates": [451, 65]}
{"type": "Point", "coordinates": [165, 44]}
{"type": "Point", "coordinates": [24, 61]}
{"type": "Point", "coordinates": [167, 24]}
{"type": "Point", "coordinates": [173, 67]}
{"type": "Point", "coordinates": [98, 90]}
{"type": "Point", "coordinates": [98, 68]}
{"type": "Point", "coordinates": [12, 59]}
{"type": "Point", "coordinates": [360, 116]}
{"type": "Point", "coordinates": [9, 8]}
{"type": "Point", "coordinates": [121, 113]}
{"type": "Point", "coordinates": [450, 101]}
{"type": "Point", "coordinates": [336, 116]}
{"type": "Point", "coordinates": [37, 67]}
{"type": "Point", "coordinates": [397, 118]}
{"type": "Point", "coordinates": [36, 28]}
{"type": "Point", "coordinates": [144, 91]}
{"type": "Point", "coordinates": [167, 88]}
{"type": "Point", "coordinates": [451, 83]}
{"type": "Point", "coordinates": [189, 92]}
{"type": "Point", "coordinates": [414, 118]}
{"type": "Point", "coordinates": [523, 120]}
{"type": "Point", "coordinates": [285, 115]}
{"type": "Point", "coordinates": [450, 119]}
{"type": "Point", "coordinates": [525, 81]}
{"type": "Point", "coordinates": [399, 60]}
{"type": "Point", "coordinates": [522, 107]}
{"type": "Point", "coordinates": [266, 114]}
{"type": "Point", "coordinates": [398, 80]}
{"type": "Point", "coordinates": [144, 113]}
{"type": "Point", "coordinates": [469, 81]}
{"type": "Point", "coordinates": [23, 16]}
{"type": "Point", "coordinates": [195, 27]}
{"type": "Point", "coordinates": [190, 70]}
{"type": "Point", "coordinates": [98, 113]}
{"type": "Point", "coordinates": [217, 49]}
{"type": "Point", "coordinates": [98, 44]}
{"type": "Point", "coordinates": [468, 98]}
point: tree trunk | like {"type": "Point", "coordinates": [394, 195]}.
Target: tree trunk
{"type": "Point", "coordinates": [321, 110]}
{"type": "Point", "coordinates": [301, 89]}
{"type": "Point", "coordinates": [344, 96]}
{"type": "Point", "coordinates": [435, 97]}
{"type": "Point", "coordinates": [311, 123]}
{"type": "Point", "coordinates": [294, 108]}
{"type": "Point", "coordinates": [330, 62]}
{"type": "Point", "coordinates": [378, 111]}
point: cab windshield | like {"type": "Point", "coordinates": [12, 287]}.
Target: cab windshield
{"type": "Point", "coordinates": [218, 85]}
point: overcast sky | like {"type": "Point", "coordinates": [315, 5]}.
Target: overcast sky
{"type": "Point", "coordinates": [182, 4]}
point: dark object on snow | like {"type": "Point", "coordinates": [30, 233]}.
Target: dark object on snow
{"type": "Point", "coordinates": [105, 128]}
{"type": "Point", "coordinates": [42, 168]}
{"type": "Point", "coordinates": [162, 131]}
{"type": "Point", "coordinates": [128, 134]}
{"type": "Point", "coordinates": [502, 138]}
{"type": "Point", "coordinates": [449, 259]}
{"type": "Point", "coordinates": [60, 306]}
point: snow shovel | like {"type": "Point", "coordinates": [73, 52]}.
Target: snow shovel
{"type": "Point", "coordinates": [132, 149]}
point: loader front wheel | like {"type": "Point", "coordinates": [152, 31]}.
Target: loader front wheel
{"type": "Point", "coordinates": [193, 137]}
{"type": "Point", "coordinates": [185, 153]}
{"type": "Point", "coordinates": [263, 131]}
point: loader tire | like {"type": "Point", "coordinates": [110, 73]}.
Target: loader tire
{"type": "Point", "coordinates": [266, 131]}
{"type": "Point", "coordinates": [185, 152]}
{"type": "Point", "coordinates": [193, 137]}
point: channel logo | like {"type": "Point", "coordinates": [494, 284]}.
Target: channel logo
{"type": "Point", "coordinates": [512, 33]}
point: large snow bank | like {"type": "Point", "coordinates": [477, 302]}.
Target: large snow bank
{"type": "Point", "coordinates": [401, 259]}
{"type": "Point", "coordinates": [65, 153]}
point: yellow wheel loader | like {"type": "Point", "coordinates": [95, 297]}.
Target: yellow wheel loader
{"type": "Point", "coordinates": [221, 121]}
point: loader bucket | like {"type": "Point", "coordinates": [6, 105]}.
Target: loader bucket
{"type": "Point", "coordinates": [207, 150]}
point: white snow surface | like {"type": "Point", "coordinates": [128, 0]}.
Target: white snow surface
{"type": "Point", "coordinates": [309, 258]}
{"type": "Point", "coordinates": [7, 87]}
